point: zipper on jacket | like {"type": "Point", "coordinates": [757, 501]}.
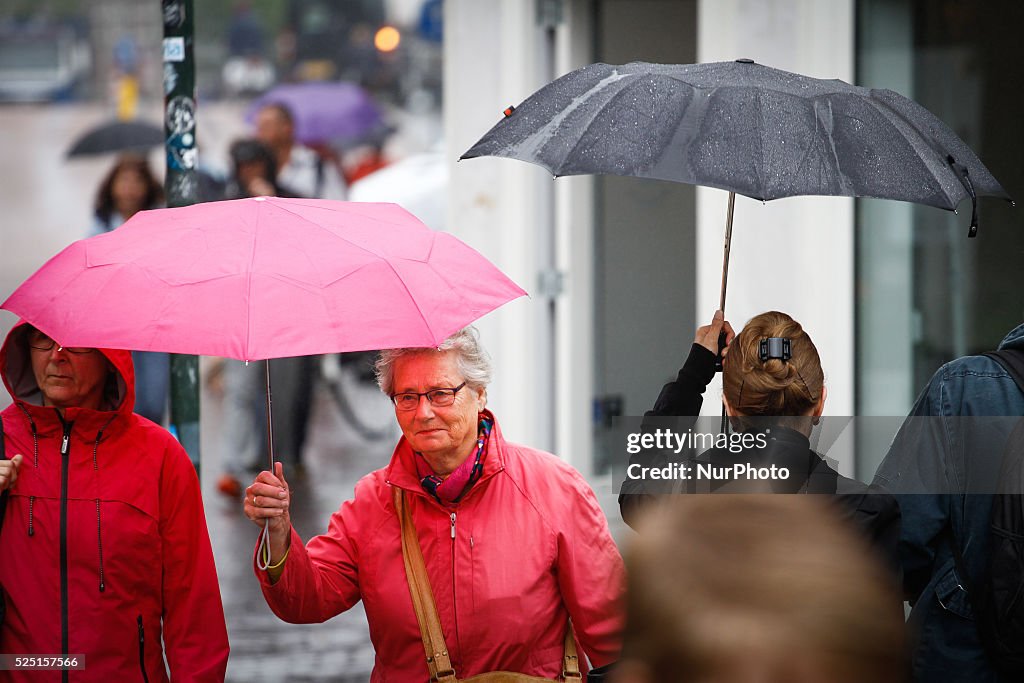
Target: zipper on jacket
{"type": "Point", "coordinates": [142, 649]}
{"type": "Point", "coordinates": [65, 447]}
{"type": "Point", "coordinates": [455, 605]}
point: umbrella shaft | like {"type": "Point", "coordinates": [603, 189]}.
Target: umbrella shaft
{"type": "Point", "coordinates": [270, 419]}
{"type": "Point", "coordinates": [728, 245]}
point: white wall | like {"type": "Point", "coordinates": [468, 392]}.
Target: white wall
{"type": "Point", "coordinates": [797, 254]}
{"type": "Point", "coordinates": [497, 54]}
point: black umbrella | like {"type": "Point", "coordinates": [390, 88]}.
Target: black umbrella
{"type": "Point", "coordinates": [118, 136]}
{"type": "Point", "coordinates": [745, 128]}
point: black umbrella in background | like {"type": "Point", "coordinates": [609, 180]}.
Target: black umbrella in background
{"type": "Point", "coordinates": [118, 136]}
{"type": "Point", "coordinates": [744, 128]}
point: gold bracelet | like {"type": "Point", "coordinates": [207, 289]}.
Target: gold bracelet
{"type": "Point", "coordinates": [279, 562]}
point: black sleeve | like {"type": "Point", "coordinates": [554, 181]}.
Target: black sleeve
{"type": "Point", "coordinates": [679, 398]}
{"type": "Point", "coordinates": [684, 395]}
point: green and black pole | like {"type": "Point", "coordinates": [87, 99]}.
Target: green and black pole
{"type": "Point", "coordinates": [181, 187]}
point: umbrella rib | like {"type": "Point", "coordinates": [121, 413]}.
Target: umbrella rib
{"type": "Point", "coordinates": [299, 216]}
{"type": "Point", "coordinates": [248, 282]}
{"type": "Point", "coordinates": [542, 136]}
{"type": "Point", "coordinates": [886, 110]}
{"type": "Point", "coordinates": [831, 141]}
{"type": "Point", "coordinates": [412, 298]}
{"type": "Point", "coordinates": [622, 92]}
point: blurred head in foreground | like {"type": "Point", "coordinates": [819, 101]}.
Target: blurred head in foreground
{"type": "Point", "coordinates": [757, 588]}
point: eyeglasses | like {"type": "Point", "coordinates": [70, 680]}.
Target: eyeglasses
{"type": "Point", "coordinates": [40, 342]}
{"type": "Point", "coordinates": [439, 398]}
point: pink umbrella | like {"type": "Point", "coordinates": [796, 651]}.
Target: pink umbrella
{"type": "Point", "coordinates": [263, 278]}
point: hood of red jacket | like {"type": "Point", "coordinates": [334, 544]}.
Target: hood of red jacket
{"type": "Point", "coordinates": [20, 381]}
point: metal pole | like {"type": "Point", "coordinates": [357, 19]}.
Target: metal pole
{"type": "Point", "coordinates": [181, 186]}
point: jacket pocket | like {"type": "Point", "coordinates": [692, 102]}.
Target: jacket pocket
{"type": "Point", "coordinates": [952, 595]}
{"type": "Point", "coordinates": [142, 649]}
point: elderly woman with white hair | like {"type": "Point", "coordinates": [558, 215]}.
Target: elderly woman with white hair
{"type": "Point", "coordinates": [471, 554]}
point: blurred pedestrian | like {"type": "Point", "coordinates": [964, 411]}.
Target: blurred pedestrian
{"type": "Point", "coordinates": [513, 540]}
{"type": "Point", "coordinates": [307, 173]}
{"type": "Point", "coordinates": [129, 187]}
{"type": "Point", "coordinates": [243, 445]}
{"type": "Point", "coordinates": [104, 550]}
{"type": "Point", "coordinates": [944, 467]}
{"type": "Point", "coordinates": [363, 160]}
{"type": "Point", "coordinates": [774, 393]}
{"type": "Point", "coordinates": [254, 171]}
{"type": "Point", "coordinates": [304, 170]}
{"type": "Point", "coordinates": [757, 588]}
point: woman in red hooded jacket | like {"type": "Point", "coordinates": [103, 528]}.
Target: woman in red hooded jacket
{"type": "Point", "coordinates": [104, 550]}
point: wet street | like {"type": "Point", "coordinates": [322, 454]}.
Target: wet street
{"type": "Point", "coordinates": [263, 648]}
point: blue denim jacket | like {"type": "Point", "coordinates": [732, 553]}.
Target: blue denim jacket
{"type": "Point", "coordinates": [943, 472]}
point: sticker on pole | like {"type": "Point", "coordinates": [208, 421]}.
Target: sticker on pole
{"type": "Point", "coordinates": [181, 115]}
{"type": "Point", "coordinates": [174, 49]}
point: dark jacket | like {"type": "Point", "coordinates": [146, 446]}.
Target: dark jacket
{"type": "Point", "coordinates": [943, 467]}
{"type": "Point", "coordinates": [874, 512]}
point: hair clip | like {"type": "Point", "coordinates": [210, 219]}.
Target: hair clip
{"type": "Point", "coordinates": [775, 347]}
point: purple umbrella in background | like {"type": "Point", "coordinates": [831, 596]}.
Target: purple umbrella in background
{"type": "Point", "coordinates": [325, 111]}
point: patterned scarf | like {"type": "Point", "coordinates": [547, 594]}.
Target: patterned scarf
{"type": "Point", "coordinates": [450, 491]}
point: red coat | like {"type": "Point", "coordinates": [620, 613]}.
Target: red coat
{"type": "Point", "coordinates": [138, 566]}
{"type": "Point", "coordinates": [527, 548]}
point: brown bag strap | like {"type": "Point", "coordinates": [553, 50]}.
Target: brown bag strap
{"type": "Point", "coordinates": [570, 661]}
{"type": "Point", "coordinates": [438, 661]}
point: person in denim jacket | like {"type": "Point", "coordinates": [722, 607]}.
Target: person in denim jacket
{"type": "Point", "coordinates": [943, 468]}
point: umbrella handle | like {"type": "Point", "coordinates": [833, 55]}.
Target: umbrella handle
{"type": "Point", "coordinates": [725, 275]}
{"type": "Point", "coordinates": [263, 552]}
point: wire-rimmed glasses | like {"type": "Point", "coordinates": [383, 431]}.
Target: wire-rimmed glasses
{"type": "Point", "coordinates": [439, 398]}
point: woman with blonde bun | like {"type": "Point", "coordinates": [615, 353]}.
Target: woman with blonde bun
{"type": "Point", "coordinates": [774, 393]}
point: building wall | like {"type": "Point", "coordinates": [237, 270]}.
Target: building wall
{"type": "Point", "coordinates": [645, 261]}
{"type": "Point", "coordinates": [497, 52]}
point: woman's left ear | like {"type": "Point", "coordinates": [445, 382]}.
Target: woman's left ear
{"type": "Point", "coordinates": [481, 399]}
{"type": "Point", "coordinates": [820, 408]}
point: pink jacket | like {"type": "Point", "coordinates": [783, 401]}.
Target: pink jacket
{"type": "Point", "coordinates": [123, 498]}
{"type": "Point", "coordinates": [525, 550]}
